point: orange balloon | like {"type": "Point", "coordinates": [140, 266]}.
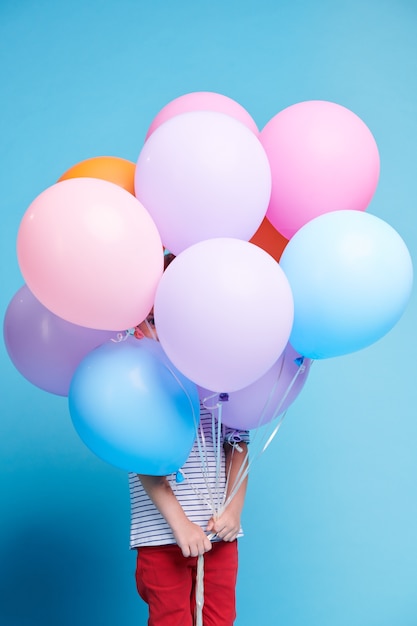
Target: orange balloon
{"type": "Point", "coordinates": [113, 169]}
{"type": "Point", "coordinates": [268, 238]}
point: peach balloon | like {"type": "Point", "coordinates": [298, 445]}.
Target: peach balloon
{"type": "Point", "coordinates": [91, 253]}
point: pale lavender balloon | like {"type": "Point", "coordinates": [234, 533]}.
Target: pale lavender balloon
{"type": "Point", "coordinates": [223, 313]}
{"type": "Point", "coordinates": [201, 175]}
{"type": "Point", "coordinates": [266, 398]}
{"type": "Point", "coordinates": [43, 347]}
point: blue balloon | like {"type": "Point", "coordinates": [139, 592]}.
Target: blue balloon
{"type": "Point", "coordinates": [351, 276]}
{"type": "Point", "coordinates": [133, 409]}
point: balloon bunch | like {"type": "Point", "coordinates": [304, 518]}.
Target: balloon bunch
{"type": "Point", "coordinates": [276, 264]}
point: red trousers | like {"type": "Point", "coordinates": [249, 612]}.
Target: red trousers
{"type": "Point", "coordinates": [166, 582]}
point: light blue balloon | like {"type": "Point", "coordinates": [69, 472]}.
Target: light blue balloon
{"type": "Point", "coordinates": [351, 276]}
{"type": "Point", "coordinates": [133, 409]}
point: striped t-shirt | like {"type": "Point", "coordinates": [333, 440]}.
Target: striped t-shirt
{"type": "Point", "coordinates": [199, 486]}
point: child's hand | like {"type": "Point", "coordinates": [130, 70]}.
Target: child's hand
{"type": "Point", "coordinates": [191, 538]}
{"type": "Point", "coordinates": [226, 526]}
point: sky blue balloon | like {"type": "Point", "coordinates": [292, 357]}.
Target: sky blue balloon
{"type": "Point", "coordinates": [351, 276]}
{"type": "Point", "coordinates": [133, 409]}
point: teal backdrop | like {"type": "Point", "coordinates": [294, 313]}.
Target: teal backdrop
{"type": "Point", "coordinates": [330, 519]}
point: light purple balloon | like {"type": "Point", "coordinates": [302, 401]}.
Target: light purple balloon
{"type": "Point", "coordinates": [266, 398]}
{"type": "Point", "coordinates": [223, 313]}
{"type": "Point", "coordinates": [43, 347]}
{"type": "Point", "coordinates": [203, 174]}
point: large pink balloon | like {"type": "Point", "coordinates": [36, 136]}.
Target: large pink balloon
{"type": "Point", "coordinates": [43, 347]}
{"type": "Point", "coordinates": [323, 158]}
{"type": "Point", "coordinates": [203, 101]}
{"type": "Point", "coordinates": [223, 313]}
{"type": "Point", "coordinates": [266, 398]}
{"type": "Point", "coordinates": [201, 175]}
{"type": "Point", "coordinates": [91, 253]}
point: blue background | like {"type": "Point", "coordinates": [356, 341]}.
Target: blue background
{"type": "Point", "coordinates": [331, 512]}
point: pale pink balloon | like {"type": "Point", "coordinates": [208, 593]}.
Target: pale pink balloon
{"type": "Point", "coordinates": [203, 101]}
{"type": "Point", "coordinates": [323, 158]}
{"type": "Point", "coordinates": [91, 253]}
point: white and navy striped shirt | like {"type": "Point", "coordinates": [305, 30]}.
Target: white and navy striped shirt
{"type": "Point", "coordinates": [199, 486]}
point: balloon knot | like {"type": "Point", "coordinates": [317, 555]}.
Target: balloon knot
{"type": "Point", "coordinates": [123, 336]}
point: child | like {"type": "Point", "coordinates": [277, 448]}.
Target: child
{"type": "Point", "coordinates": [177, 518]}
{"type": "Point", "coordinates": [171, 519]}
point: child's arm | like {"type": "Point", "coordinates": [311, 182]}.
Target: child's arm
{"type": "Point", "coordinates": [227, 524]}
{"type": "Point", "coordinates": [189, 536]}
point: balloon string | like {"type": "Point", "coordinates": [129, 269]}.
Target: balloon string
{"type": "Point", "coordinates": [241, 474]}
{"type": "Point", "coordinates": [123, 336]}
{"type": "Point", "coordinates": [199, 591]}
{"type": "Point", "coordinates": [256, 430]}
{"type": "Point", "coordinates": [218, 443]}
{"type": "Point", "coordinates": [265, 440]}
{"type": "Point", "coordinates": [151, 329]}
{"type": "Point", "coordinates": [216, 502]}
{"type": "Point", "coordinates": [244, 467]}
{"type": "Point", "coordinates": [202, 450]}
{"type": "Point", "coordinates": [215, 506]}
{"type": "Point", "coordinates": [247, 464]}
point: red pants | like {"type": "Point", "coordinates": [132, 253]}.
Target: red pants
{"type": "Point", "coordinates": [166, 582]}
